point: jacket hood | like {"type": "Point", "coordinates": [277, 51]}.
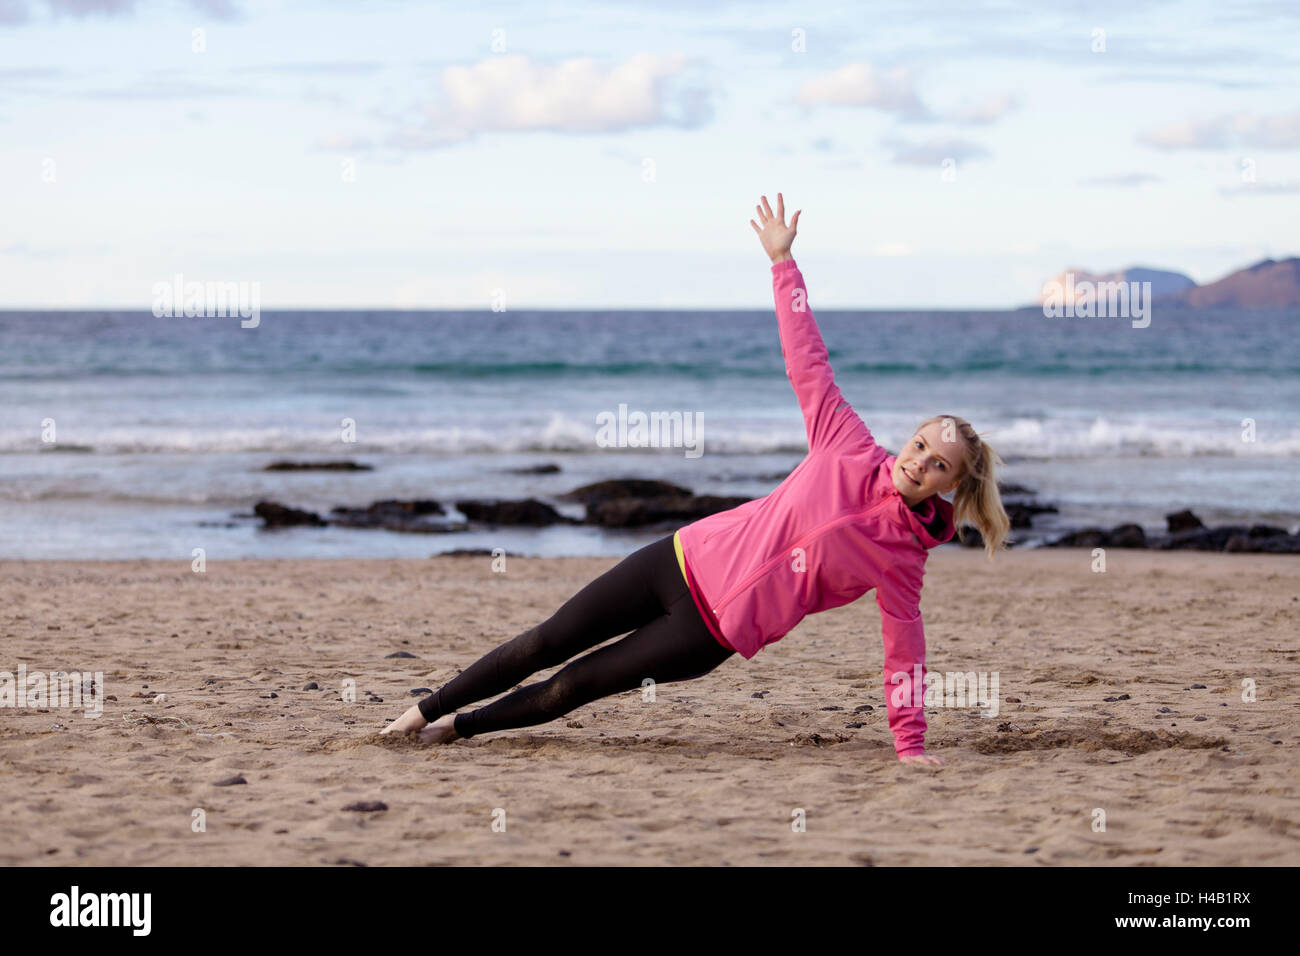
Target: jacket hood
{"type": "Point", "coordinates": [931, 520]}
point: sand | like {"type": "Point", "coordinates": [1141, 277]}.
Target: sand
{"type": "Point", "coordinates": [706, 774]}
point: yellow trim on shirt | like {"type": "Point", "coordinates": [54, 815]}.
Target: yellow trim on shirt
{"type": "Point", "coordinates": [681, 561]}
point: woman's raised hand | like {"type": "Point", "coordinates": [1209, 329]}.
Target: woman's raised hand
{"type": "Point", "coordinates": [775, 235]}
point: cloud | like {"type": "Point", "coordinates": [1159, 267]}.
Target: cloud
{"type": "Point", "coordinates": [1231, 130]}
{"type": "Point", "coordinates": [1123, 180]}
{"type": "Point", "coordinates": [861, 84]}
{"type": "Point", "coordinates": [14, 12]}
{"type": "Point", "coordinates": [933, 152]}
{"type": "Point", "coordinates": [983, 113]}
{"type": "Point", "coordinates": [516, 94]}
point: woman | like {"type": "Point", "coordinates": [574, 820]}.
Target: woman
{"type": "Point", "coordinates": [848, 519]}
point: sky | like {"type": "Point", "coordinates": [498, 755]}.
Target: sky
{"type": "Point", "coordinates": [413, 155]}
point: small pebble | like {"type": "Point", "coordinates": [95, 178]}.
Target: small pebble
{"type": "Point", "coordinates": [311, 686]}
{"type": "Point", "coordinates": [1166, 710]}
{"type": "Point", "coordinates": [1200, 718]}
{"type": "Point", "coordinates": [1013, 700]}
{"type": "Point", "coordinates": [1197, 687]}
{"type": "Point", "coordinates": [230, 782]}
{"type": "Point", "coordinates": [367, 806]}
{"type": "Point", "coordinates": [421, 690]}
{"type": "Point", "coordinates": [399, 654]}
{"type": "Point", "coordinates": [160, 699]}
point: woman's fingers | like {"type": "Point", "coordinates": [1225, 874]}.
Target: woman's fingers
{"type": "Point", "coordinates": [794, 221]}
{"type": "Point", "coordinates": [780, 208]}
{"type": "Point", "coordinates": [767, 208]}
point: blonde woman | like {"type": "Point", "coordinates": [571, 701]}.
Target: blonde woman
{"type": "Point", "coordinates": [850, 518]}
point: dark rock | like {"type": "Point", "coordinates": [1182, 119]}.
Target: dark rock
{"type": "Point", "coordinates": [465, 553]}
{"type": "Point", "coordinates": [1182, 521]}
{"type": "Point", "coordinates": [1127, 536]}
{"type": "Point", "coordinates": [311, 686]}
{"type": "Point", "coordinates": [417, 691]}
{"type": "Point", "coordinates": [547, 469]}
{"type": "Point", "coordinates": [1085, 538]}
{"type": "Point", "coordinates": [530, 511]}
{"type": "Point", "coordinates": [1281, 544]}
{"type": "Point", "coordinates": [317, 466]}
{"type": "Point", "coordinates": [276, 515]}
{"type": "Point", "coordinates": [1202, 538]}
{"type": "Point", "coordinates": [1009, 489]}
{"type": "Point", "coordinates": [398, 654]}
{"type": "Point", "coordinates": [599, 491]}
{"type": "Point", "coordinates": [1265, 531]}
{"type": "Point", "coordinates": [635, 512]}
{"type": "Point", "coordinates": [1272, 544]}
{"type": "Point", "coordinates": [417, 516]}
{"type": "Point", "coordinates": [367, 806]}
{"type": "Point", "coordinates": [230, 782]}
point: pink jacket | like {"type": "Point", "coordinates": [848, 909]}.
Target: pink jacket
{"type": "Point", "coordinates": [835, 528]}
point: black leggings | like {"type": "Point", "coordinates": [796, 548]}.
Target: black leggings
{"type": "Point", "coordinates": [644, 591]}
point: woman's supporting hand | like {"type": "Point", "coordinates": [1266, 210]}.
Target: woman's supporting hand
{"type": "Point", "coordinates": [922, 758]}
{"type": "Point", "coordinates": [775, 235]}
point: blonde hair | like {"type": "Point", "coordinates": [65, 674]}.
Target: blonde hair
{"type": "Point", "coordinates": [976, 500]}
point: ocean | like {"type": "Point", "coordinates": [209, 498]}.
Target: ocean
{"type": "Point", "coordinates": [162, 426]}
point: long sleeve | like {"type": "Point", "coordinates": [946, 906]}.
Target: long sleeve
{"type": "Point", "coordinates": [904, 673]}
{"type": "Point", "coordinates": [807, 362]}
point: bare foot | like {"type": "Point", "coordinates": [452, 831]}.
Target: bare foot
{"type": "Point", "coordinates": [411, 720]}
{"type": "Point", "coordinates": [441, 731]}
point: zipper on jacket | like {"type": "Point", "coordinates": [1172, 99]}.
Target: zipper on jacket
{"type": "Point", "coordinates": [803, 539]}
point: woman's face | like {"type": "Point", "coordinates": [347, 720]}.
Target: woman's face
{"type": "Point", "coordinates": [927, 465]}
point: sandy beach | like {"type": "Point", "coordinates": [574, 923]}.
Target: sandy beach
{"type": "Point", "coordinates": [713, 771]}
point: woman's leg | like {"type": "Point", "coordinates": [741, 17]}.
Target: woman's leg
{"type": "Point", "coordinates": [673, 647]}
{"type": "Point", "coordinates": [633, 592]}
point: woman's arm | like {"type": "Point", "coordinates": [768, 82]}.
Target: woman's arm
{"type": "Point", "coordinates": [904, 673]}
{"type": "Point", "coordinates": [807, 362]}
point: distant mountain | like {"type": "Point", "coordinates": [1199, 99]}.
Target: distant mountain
{"type": "Point", "coordinates": [1271, 284]}
{"type": "Point", "coordinates": [1265, 285]}
{"type": "Point", "coordinates": [1063, 287]}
